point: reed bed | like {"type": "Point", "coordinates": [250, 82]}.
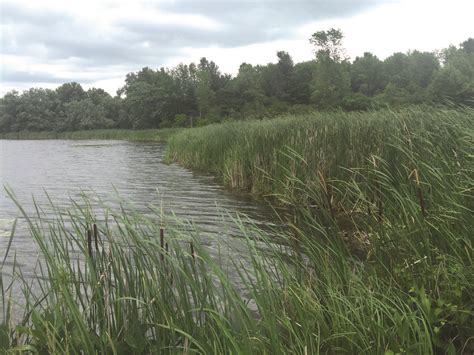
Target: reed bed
{"type": "Point", "coordinates": [376, 256]}
{"type": "Point", "coordinates": [124, 283]}
{"type": "Point", "coordinates": [391, 189]}
{"type": "Point", "coordinates": [160, 135]}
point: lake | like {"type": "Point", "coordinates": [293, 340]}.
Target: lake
{"type": "Point", "coordinates": [134, 170]}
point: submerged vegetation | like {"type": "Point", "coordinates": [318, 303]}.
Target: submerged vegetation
{"type": "Point", "coordinates": [376, 255]}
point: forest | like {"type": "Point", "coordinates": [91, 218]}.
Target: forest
{"type": "Point", "coordinates": [198, 94]}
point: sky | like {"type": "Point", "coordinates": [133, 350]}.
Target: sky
{"type": "Point", "coordinates": [45, 43]}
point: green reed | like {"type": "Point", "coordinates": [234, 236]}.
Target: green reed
{"type": "Point", "coordinates": [160, 135]}
{"type": "Point", "coordinates": [394, 188]}
{"type": "Point", "coordinates": [132, 295]}
{"type": "Point", "coordinates": [376, 255]}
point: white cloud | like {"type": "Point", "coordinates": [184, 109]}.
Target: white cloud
{"type": "Point", "coordinates": [229, 59]}
{"type": "Point", "coordinates": [403, 26]}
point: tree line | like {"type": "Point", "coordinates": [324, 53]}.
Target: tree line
{"type": "Point", "coordinates": [199, 94]}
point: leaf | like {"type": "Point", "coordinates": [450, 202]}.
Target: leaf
{"type": "Point", "coordinates": [4, 337]}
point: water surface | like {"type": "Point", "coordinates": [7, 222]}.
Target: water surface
{"type": "Point", "coordinates": [136, 171]}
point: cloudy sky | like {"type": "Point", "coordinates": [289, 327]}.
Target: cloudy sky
{"type": "Point", "coordinates": [97, 42]}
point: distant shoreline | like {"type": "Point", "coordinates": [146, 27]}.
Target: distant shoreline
{"type": "Point", "coordinates": [152, 135]}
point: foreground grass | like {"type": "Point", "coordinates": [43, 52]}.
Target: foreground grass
{"type": "Point", "coordinates": [123, 289]}
{"type": "Point", "coordinates": [160, 135]}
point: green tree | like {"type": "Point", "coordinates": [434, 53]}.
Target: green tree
{"type": "Point", "coordinates": [70, 92]}
{"type": "Point", "coordinates": [85, 115]}
{"type": "Point", "coordinates": [9, 106]}
{"type": "Point", "coordinates": [455, 80]}
{"type": "Point", "coordinates": [248, 90]}
{"type": "Point", "coordinates": [207, 83]}
{"type": "Point", "coordinates": [150, 97]}
{"type": "Point", "coordinates": [38, 110]}
{"type": "Point", "coordinates": [304, 75]}
{"type": "Point", "coordinates": [332, 80]}
{"type": "Point", "coordinates": [468, 46]}
{"type": "Point", "coordinates": [205, 96]}
{"type": "Point", "coordinates": [109, 106]}
{"type": "Point", "coordinates": [396, 69]}
{"type": "Point", "coordinates": [421, 67]}
{"type": "Point", "coordinates": [330, 84]}
{"type": "Point", "coordinates": [367, 75]}
{"type": "Point", "coordinates": [184, 77]}
{"type": "Point", "coordinates": [285, 72]}
{"type": "Point", "coordinates": [328, 44]}
{"type": "Point", "coordinates": [408, 77]}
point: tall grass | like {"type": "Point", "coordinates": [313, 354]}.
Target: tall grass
{"type": "Point", "coordinates": [125, 134]}
{"type": "Point", "coordinates": [255, 155]}
{"type": "Point", "coordinates": [133, 293]}
{"type": "Point", "coordinates": [392, 189]}
{"type": "Point", "coordinates": [376, 256]}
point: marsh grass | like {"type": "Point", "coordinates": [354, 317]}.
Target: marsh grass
{"type": "Point", "coordinates": [149, 135]}
{"type": "Point", "coordinates": [129, 294]}
{"type": "Point", "coordinates": [377, 253]}
{"type": "Point", "coordinates": [391, 189]}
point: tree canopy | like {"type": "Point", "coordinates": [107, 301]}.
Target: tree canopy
{"type": "Point", "coordinates": [198, 94]}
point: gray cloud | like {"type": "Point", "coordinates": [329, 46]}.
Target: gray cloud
{"type": "Point", "coordinates": [165, 35]}
{"type": "Point", "coordinates": [260, 13]}
{"type": "Point", "coordinates": [18, 76]}
{"type": "Point", "coordinates": [48, 36]}
{"type": "Point", "coordinates": [51, 39]}
{"type": "Point", "coordinates": [243, 22]}
{"type": "Point", "coordinates": [14, 14]}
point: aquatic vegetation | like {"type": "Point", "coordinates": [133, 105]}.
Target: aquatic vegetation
{"type": "Point", "coordinates": [376, 255]}
{"type": "Point", "coordinates": [160, 135]}
{"type": "Point", "coordinates": [392, 189]}
{"type": "Point", "coordinates": [123, 283]}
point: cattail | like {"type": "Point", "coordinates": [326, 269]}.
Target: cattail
{"type": "Point", "coordinates": [378, 191]}
{"type": "Point", "coordinates": [328, 192]}
{"type": "Point", "coordinates": [96, 236]}
{"type": "Point", "coordinates": [380, 205]}
{"type": "Point", "coordinates": [192, 252]}
{"type": "Point", "coordinates": [162, 241]}
{"type": "Point", "coordinates": [420, 191]}
{"type": "Point", "coordinates": [89, 243]}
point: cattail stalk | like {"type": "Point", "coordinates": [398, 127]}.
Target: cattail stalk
{"type": "Point", "coordinates": [96, 236]}
{"type": "Point", "coordinates": [421, 199]}
{"type": "Point", "coordinates": [162, 242]}
{"type": "Point", "coordinates": [193, 255]}
{"type": "Point", "coordinates": [89, 243]}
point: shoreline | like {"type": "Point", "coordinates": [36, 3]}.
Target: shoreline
{"type": "Point", "coordinates": [151, 135]}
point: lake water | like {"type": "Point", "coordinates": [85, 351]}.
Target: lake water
{"type": "Point", "coordinates": [136, 171]}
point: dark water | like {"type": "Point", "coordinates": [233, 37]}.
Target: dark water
{"type": "Point", "coordinates": [135, 171]}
